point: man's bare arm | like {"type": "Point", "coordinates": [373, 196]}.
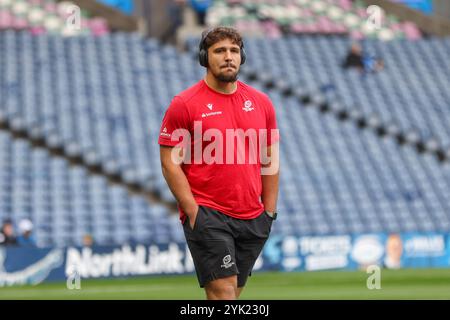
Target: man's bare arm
{"type": "Point", "coordinates": [177, 181]}
{"type": "Point", "coordinates": [270, 179]}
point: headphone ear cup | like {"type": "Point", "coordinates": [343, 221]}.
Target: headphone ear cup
{"type": "Point", "coordinates": [203, 52]}
{"type": "Point", "coordinates": [203, 58]}
{"type": "Point", "coordinates": [243, 55]}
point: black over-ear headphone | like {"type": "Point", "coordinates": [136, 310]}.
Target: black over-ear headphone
{"type": "Point", "coordinates": [203, 51]}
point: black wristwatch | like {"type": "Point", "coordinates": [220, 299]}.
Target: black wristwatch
{"type": "Point", "coordinates": [273, 215]}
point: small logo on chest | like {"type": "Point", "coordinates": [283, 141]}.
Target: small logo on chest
{"type": "Point", "coordinates": [215, 113]}
{"type": "Point", "coordinates": [248, 106]}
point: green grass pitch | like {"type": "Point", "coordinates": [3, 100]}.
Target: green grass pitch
{"type": "Point", "coordinates": [395, 284]}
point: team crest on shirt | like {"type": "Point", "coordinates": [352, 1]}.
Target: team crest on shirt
{"type": "Point", "coordinates": [248, 106]}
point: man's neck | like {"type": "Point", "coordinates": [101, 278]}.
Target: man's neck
{"type": "Point", "coordinates": [220, 86]}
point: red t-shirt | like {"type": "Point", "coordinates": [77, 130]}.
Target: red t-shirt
{"type": "Point", "coordinates": [228, 183]}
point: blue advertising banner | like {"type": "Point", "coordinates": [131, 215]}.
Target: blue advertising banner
{"type": "Point", "coordinates": [126, 6]}
{"type": "Point", "coordinates": [19, 266]}
{"type": "Point", "coordinates": [32, 266]}
{"type": "Point", "coordinates": [424, 250]}
{"type": "Point", "coordinates": [426, 6]}
{"type": "Point", "coordinates": [352, 252]}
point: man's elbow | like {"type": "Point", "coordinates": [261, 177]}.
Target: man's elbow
{"type": "Point", "coordinates": [164, 170]}
{"type": "Point", "coordinates": [168, 167]}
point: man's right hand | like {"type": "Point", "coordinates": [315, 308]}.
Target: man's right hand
{"type": "Point", "coordinates": [178, 183]}
{"type": "Point", "coordinates": [192, 212]}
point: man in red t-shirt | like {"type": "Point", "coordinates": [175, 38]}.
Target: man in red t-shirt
{"type": "Point", "coordinates": [219, 156]}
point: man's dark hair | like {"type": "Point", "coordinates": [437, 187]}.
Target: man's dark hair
{"type": "Point", "coordinates": [221, 33]}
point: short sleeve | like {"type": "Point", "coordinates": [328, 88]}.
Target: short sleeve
{"type": "Point", "coordinates": [176, 117]}
{"type": "Point", "coordinates": [273, 134]}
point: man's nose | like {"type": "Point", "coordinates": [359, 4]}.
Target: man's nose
{"type": "Point", "coordinates": [228, 56]}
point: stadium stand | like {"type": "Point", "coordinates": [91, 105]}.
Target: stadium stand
{"type": "Point", "coordinates": [47, 16]}
{"type": "Point", "coordinates": [410, 92]}
{"type": "Point", "coordinates": [108, 100]}
{"type": "Point", "coordinates": [339, 179]}
{"type": "Point", "coordinates": [65, 202]}
{"type": "Point", "coordinates": [275, 18]}
{"type": "Point", "coordinates": [102, 98]}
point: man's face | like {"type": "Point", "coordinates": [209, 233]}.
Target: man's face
{"type": "Point", "coordinates": [224, 60]}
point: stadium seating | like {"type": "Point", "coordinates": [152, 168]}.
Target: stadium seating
{"type": "Point", "coordinates": [275, 18]}
{"type": "Point", "coordinates": [338, 179]}
{"type": "Point", "coordinates": [66, 202]}
{"type": "Point", "coordinates": [48, 16]}
{"type": "Point", "coordinates": [411, 92]}
{"type": "Point", "coordinates": [103, 98]}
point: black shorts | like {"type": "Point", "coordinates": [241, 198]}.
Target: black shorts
{"type": "Point", "coordinates": [223, 246]}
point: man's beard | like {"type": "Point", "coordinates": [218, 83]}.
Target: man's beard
{"type": "Point", "coordinates": [223, 77]}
